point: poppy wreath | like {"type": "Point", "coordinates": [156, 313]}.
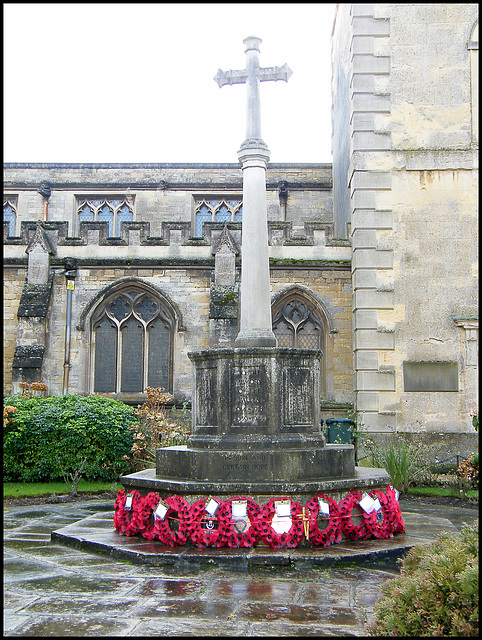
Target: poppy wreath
{"type": "Point", "coordinates": [147, 506]}
{"type": "Point", "coordinates": [158, 529]}
{"type": "Point", "coordinates": [396, 521]}
{"type": "Point", "coordinates": [126, 521]}
{"type": "Point", "coordinates": [379, 522]}
{"type": "Point", "coordinates": [332, 533]}
{"type": "Point", "coordinates": [206, 537]}
{"type": "Point", "coordinates": [279, 540]}
{"type": "Point", "coordinates": [234, 538]}
{"type": "Point", "coordinates": [349, 529]}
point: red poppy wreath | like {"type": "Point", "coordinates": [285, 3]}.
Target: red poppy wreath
{"type": "Point", "coordinates": [349, 529]}
{"type": "Point", "coordinates": [126, 520]}
{"type": "Point", "coordinates": [162, 528]}
{"type": "Point", "coordinates": [242, 531]}
{"type": "Point", "coordinates": [396, 521]}
{"type": "Point", "coordinates": [278, 540]}
{"type": "Point", "coordinates": [378, 522]}
{"type": "Point", "coordinates": [206, 530]}
{"type": "Point", "coordinates": [331, 534]}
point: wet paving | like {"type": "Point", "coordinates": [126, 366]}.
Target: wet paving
{"type": "Point", "coordinates": [53, 589]}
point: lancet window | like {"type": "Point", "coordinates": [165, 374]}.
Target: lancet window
{"type": "Point", "coordinates": [132, 336]}
{"type": "Point", "coordinates": [217, 210]}
{"type": "Point", "coordinates": [112, 209]}
{"type": "Point", "coordinates": [10, 214]}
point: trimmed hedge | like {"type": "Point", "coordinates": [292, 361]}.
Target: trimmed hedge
{"type": "Point", "coordinates": [49, 437]}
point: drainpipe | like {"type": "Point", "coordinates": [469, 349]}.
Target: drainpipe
{"type": "Point", "coordinates": [70, 274]}
{"type": "Point", "coordinates": [45, 191]}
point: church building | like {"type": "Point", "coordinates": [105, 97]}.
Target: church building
{"type": "Point", "coordinates": [113, 273]}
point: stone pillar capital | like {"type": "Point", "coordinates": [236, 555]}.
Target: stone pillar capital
{"type": "Point", "coordinates": [254, 153]}
{"type": "Point", "coordinates": [252, 42]}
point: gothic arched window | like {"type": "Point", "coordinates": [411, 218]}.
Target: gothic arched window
{"type": "Point", "coordinates": [297, 324]}
{"type": "Point", "coordinates": [132, 334]}
{"type": "Point", "coordinates": [300, 322]}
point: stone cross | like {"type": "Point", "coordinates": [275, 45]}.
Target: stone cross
{"type": "Point", "coordinates": [255, 318]}
{"type": "Point", "coordinates": [252, 76]}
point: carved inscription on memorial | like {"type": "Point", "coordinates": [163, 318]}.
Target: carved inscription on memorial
{"type": "Point", "coordinates": [243, 462]}
{"type": "Point", "coordinates": [297, 389]}
{"type": "Point", "coordinates": [249, 393]}
{"type": "Point", "coordinates": [206, 390]}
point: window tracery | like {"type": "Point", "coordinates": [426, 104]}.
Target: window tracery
{"type": "Point", "coordinates": [112, 209]}
{"type": "Point", "coordinates": [217, 210]}
{"type": "Point", "coordinates": [132, 342]}
{"type": "Point", "coordinates": [296, 324]}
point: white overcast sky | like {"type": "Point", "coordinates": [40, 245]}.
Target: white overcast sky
{"type": "Point", "coordinates": [109, 82]}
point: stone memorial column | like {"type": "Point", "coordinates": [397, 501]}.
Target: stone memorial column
{"type": "Point", "coordinates": [255, 317]}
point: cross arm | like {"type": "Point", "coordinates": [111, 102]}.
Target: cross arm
{"type": "Point", "coordinates": [262, 73]}
{"type": "Point", "coordinates": [230, 77]}
{"type": "Point", "coordinates": [274, 73]}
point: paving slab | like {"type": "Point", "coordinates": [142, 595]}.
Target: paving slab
{"type": "Point", "coordinates": [84, 580]}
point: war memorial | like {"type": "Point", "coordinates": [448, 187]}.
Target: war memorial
{"type": "Point", "coordinates": [273, 296]}
{"type": "Point", "coordinates": [257, 439]}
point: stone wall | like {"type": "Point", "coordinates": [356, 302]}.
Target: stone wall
{"type": "Point", "coordinates": [159, 249]}
{"type": "Point", "coordinates": [412, 180]}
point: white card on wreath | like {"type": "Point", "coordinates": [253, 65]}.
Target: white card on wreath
{"type": "Point", "coordinates": [239, 508]}
{"type": "Point", "coordinates": [283, 508]}
{"type": "Point", "coordinates": [212, 506]}
{"type": "Point", "coordinates": [376, 504]}
{"type": "Point", "coordinates": [281, 524]}
{"type": "Point", "coordinates": [324, 507]}
{"type": "Point", "coordinates": [367, 503]}
{"type": "Point", "coordinates": [161, 510]}
{"type": "Point", "coordinates": [128, 502]}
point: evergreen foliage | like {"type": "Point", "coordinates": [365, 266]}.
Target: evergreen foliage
{"type": "Point", "coordinates": [47, 439]}
{"type": "Point", "coordinates": [437, 592]}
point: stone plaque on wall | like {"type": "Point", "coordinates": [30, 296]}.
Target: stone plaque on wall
{"type": "Point", "coordinates": [249, 395]}
{"type": "Point", "coordinates": [206, 392]}
{"type": "Point", "coordinates": [430, 376]}
{"type": "Point", "coordinates": [297, 401]}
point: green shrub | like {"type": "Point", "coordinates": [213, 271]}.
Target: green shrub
{"type": "Point", "coordinates": [437, 592]}
{"type": "Point", "coordinates": [48, 438]}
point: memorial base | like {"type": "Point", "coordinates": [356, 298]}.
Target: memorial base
{"type": "Point", "coordinates": [363, 479]}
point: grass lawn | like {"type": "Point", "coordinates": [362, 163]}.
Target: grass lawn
{"type": "Point", "coordinates": [36, 489]}
{"type": "Point", "coordinates": [441, 491]}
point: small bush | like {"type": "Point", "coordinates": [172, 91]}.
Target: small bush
{"type": "Point", "coordinates": [437, 592]}
{"type": "Point", "coordinates": [48, 438]}
{"type": "Point", "coordinates": [405, 462]}
{"type": "Point", "coordinates": [158, 426]}
{"type": "Point", "coordinates": [468, 471]}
